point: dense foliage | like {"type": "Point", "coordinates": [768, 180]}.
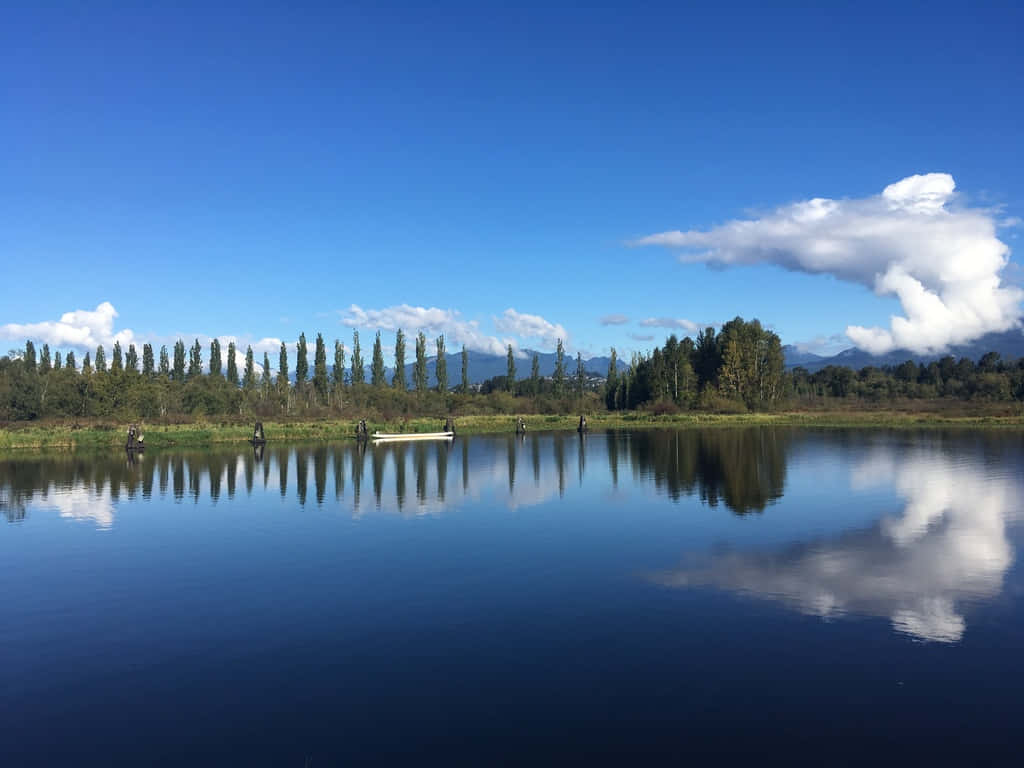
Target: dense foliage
{"type": "Point", "coordinates": [740, 367]}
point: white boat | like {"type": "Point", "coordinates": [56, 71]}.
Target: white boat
{"type": "Point", "coordinates": [385, 437]}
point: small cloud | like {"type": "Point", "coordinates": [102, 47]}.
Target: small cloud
{"type": "Point", "coordinates": [1010, 221]}
{"type": "Point", "coordinates": [671, 322]}
{"type": "Point", "coordinates": [642, 336]}
{"type": "Point", "coordinates": [614, 320]}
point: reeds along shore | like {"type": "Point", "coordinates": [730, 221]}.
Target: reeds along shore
{"type": "Point", "coordinates": [67, 436]}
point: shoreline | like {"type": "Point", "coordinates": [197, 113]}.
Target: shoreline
{"type": "Point", "coordinates": [69, 437]}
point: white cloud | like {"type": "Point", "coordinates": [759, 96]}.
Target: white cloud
{"type": "Point", "coordinates": [672, 322]}
{"type": "Point", "coordinates": [614, 319]}
{"type": "Point", "coordinates": [944, 264]}
{"type": "Point", "coordinates": [531, 327]}
{"type": "Point", "coordinates": [82, 329]}
{"type": "Point", "coordinates": [642, 336]}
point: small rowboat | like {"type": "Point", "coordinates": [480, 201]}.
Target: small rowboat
{"type": "Point", "coordinates": [384, 437]}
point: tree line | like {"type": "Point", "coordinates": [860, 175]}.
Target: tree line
{"type": "Point", "coordinates": [738, 367]}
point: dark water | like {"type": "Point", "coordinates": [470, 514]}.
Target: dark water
{"type": "Point", "coordinates": [806, 596]}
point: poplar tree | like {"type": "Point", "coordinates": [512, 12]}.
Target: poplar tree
{"type": "Point", "coordinates": [71, 362]}
{"type": "Point", "coordinates": [165, 363]}
{"type": "Point", "coordinates": [358, 371]}
{"type": "Point", "coordinates": [249, 377]}
{"type": "Point", "coordinates": [117, 359]}
{"type": "Point", "coordinates": [57, 363]}
{"type": "Point", "coordinates": [195, 361]}
{"type": "Point", "coordinates": [265, 379]}
{"type": "Point", "coordinates": [131, 362]}
{"type": "Point", "coordinates": [282, 368]}
{"type": "Point", "coordinates": [510, 374]}
{"type": "Point", "coordinates": [611, 384]}
{"type": "Point", "coordinates": [215, 361]}
{"type": "Point", "coordinates": [301, 363]}
{"type": "Point", "coordinates": [101, 360]}
{"type": "Point", "coordinates": [377, 364]}
{"type": "Point", "coordinates": [581, 376]}
{"type": "Point", "coordinates": [178, 373]}
{"type": "Point", "coordinates": [398, 380]}
{"type": "Point", "coordinates": [44, 360]}
{"type": "Point", "coordinates": [232, 364]}
{"type": "Point", "coordinates": [30, 356]}
{"type": "Point", "coordinates": [147, 359]}
{"type": "Point", "coordinates": [338, 373]}
{"type": "Point", "coordinates": [86, 365]}
{"type": "Point", "coordinates": [419, 371]}
{"type": "Point", "coordinates": [465, 370]}
{"type": "Point", "coordinates": [320, 381]}
{"type": "Point", "coordinates": [558, 380]}
{"type": "Point", "coordinates": [535, 375]}
{"type": "Point", "coordinates": [441, 366]}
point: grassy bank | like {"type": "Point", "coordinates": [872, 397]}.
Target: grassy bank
{"type": "Point", "coordinates": [56, 435]}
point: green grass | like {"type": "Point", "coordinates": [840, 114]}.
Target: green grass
{"type": "Point", "coordinates": [64, 436]}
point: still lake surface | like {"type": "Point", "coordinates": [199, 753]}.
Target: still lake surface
{"type": "Point", "coordinates": [826, 596]}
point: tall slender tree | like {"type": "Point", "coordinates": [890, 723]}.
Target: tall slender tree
{"type": "Point", "coordinates": [419, 370]}
{"type": "Point", "coordinates": [465, 370]}
{"type": "Point", "coordinates": [117, 359]}
{"type": "Point", "coordinates": [611, 383]}
{"type": "Point", "coordinates": [178, 374]}
{"type": "Point", "coordinates": [232, 374]}
{"type": "Point", "coordinates": [45, 363]}
{"type": "Point", "coordinates": [510, 373]}
{"type": "Point", "coordinates": [165, 364]}
{"type": "Point", "coordinates": [249, 376]}
{"type": "Point", "coordinates": [29, 360]}
{"type": "Point", "coordinates": [57, 362]}
{"type": "Point", "coordinates": [265, 384]}
{"type": "Point", "coordinates": [320, 381]}
{"type": "Point", "coordinates": [195, 361]}
{"type": "Point", "coordinates": [301, 363]}
{"type": "Point", "coordinates": [398, 380]}
{"type": "Point", "coordinates": [338, 373]}
{"type": "Point", "coordinates": [535, 375]}
{"type": "Point", "coordinates": [131, 360]}
{"type": "Point", "coordinates": [147, 360]}
{"type": "Point", "coordinates": [70, 362]}
{"type": "Point", "coordinates": [581, 375]}
{"type": "Point", "coordinates": [86, 365]}
{"type": "Point", "coordinates": [216, 363]}
{"type": "Point", "coordinates": [100, 363]}
{"type": "Point", "coordinates": [558, 380]}
{"type": "Point", "coordinates": [377, 364]}
{"type": "Point", "coordinates": [441, 366]}
{"type": "Point", "coordinates": [282, 369]}
{"type": "Point", "coordinates": [358, 371]}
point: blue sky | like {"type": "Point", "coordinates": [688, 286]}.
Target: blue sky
{"type": "Point", "coordinates": [254, 171]}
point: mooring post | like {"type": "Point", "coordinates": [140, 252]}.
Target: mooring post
{"type": "Point", "coordinates": [583, 425]}
{"type": "Point", "coordinates": [520, 426]}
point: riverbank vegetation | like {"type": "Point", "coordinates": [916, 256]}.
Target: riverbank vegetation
{"type": "Point", "coordinates": [738, 370]}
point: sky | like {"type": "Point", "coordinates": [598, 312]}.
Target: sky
{"type": "Point", "coordinates": [606, 174]}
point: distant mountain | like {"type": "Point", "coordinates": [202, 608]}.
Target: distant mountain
{"type": "Point", "coordinates": [1010, 345]}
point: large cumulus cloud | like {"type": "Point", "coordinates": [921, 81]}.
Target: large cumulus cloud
{"type": "Point", "coordinates": [942, 262]}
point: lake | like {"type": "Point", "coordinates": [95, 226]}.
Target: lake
{"type": "Point", "coordinates": [822, 596]}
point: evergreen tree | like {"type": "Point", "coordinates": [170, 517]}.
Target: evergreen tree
{"type": "Point", "coordinates": [358, 371]}
{"type": "Point", "coordinates": [232, 364]}
{"type": "Point", "coordinates": [45, 363]}
{"type": "Point", "coordinates": [117, 359]}
{"type": "Point", "coordinates": [71, 362]}
{"type": "Point", "coordinates": [100, 363]}
{"type": "Point", "coordinates": [707, 357]}
{"type": "Point", "coordinates": [165, 364]}
{"type": "Point", "coordinates": [195, 361]}
{"type": "Point", "coordinates": [216, 364]}
{"type": "Point", "coordinates": [282, 368]}
{"type": "Point", "coordinates": [377, 364]}
{"type": "Point", "coordinates": [29, 360]}
{"type": "Point", "coordinates": [57, 363]}
{"type": "Point", "coordinates": [249, 377]}
{"type": "Point", "coordinates": [178, 374]}
{"type": "Point", "coordinates": [320, 381]}
{"type": "Point", "coordinates": [398, 380]}
{"type": "Point", "coordinates": [558, 380]}
{"type": "Point", "coordinates": [265, 378]}
{"type": "Point", "coordinates": [465, 370]}
{"type": "Point", "coordinates": [441, 366]}
{"type": "Point", "coordinates": [147, 359]}
{"type": "Point", "coordinates": [131, 362]}
{"type": "Point", "coordinates": [86, 365]}
{"type": "Point", "coordinates": [301, 363]}
{"type": "Point", "coordinates": [581, 375]}
{"type": "Point", "coordinates": [338, 374]}
{"type": "Point", "coordinates": [611, 384]}
{"type": "Point", "coordinates": [419, 371]}
{"type": "Point", "coordinates": [535, 375]}
{"type": "Point", "coordinates": [510, 374]}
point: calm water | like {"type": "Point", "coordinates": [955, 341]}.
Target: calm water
{"type": "Point", "coordinates": [824, 596]}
